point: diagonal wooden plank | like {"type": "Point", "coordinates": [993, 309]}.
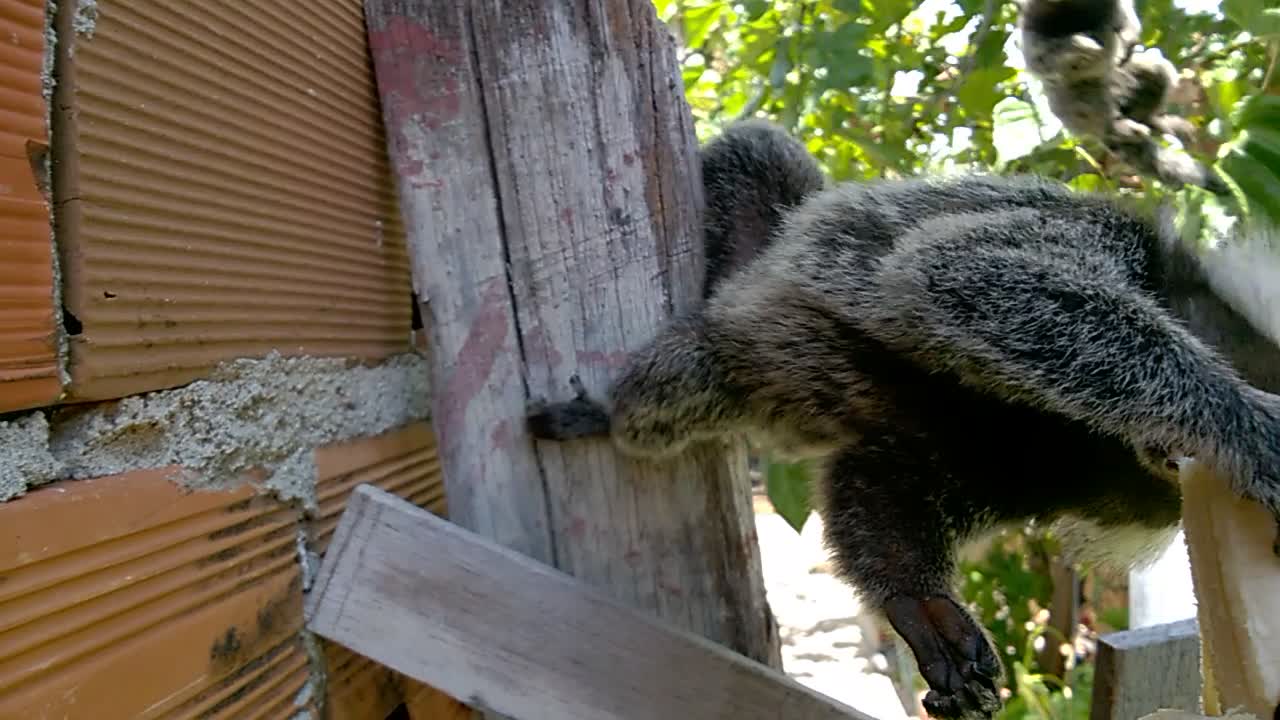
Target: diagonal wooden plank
{"type": "Point", "coordinates": [450, 608]}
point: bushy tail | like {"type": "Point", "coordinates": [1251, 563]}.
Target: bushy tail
{"type": "Point", "coordinates": [751, 174]}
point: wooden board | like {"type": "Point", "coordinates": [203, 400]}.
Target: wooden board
{"type": "Point", "coordinates": [1148, 669]}
{"type": "Point", "coordinates": [548, 173]}
{"type": "Point", "coordinates": [449, 608]}
{"type": "Point", "coordinates": [1237, 583]}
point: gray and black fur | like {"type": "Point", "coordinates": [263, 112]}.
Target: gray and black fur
{"type": "Point", "coordinates": [1082, 52]}
{"type": "Point", "coordinates": [960, 354]}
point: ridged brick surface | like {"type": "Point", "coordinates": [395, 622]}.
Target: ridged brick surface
{"type": "Point", "coordinates": [403, 462]}
{"type": "Point", "coordinates": [128, 597]}
{"type": "Point", "coordinates": [228, 192]}
{"type": "Point", "coordinates": [29, 372]}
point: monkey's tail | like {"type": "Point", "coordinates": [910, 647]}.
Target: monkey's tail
{"type": "Point", "coordinates": [751, 174]}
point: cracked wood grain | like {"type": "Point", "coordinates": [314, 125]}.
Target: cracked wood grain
{"type": "Point", "coordinates": [548, 176]}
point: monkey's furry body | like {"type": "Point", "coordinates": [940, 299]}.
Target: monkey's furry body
{"type": "Point", "coordinates": [959, 354]}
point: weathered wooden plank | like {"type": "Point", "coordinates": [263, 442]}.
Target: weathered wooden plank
{"type": "Point", "coordinates": [548, 174]}
{"type": "Point", "coordinates": [1064, 615]}
{"type": "Point", "coordinates": [434, 112]}
{"type": "Point", "coordinates": [463, 614]}
{"type": "Point", "coordinates": [1237, 584]}
{"type": "Point", "coordinates": [1141, 671]}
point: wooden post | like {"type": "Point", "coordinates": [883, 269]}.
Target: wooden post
{"type": "Point", "coordinates": [547, 169]}
{"type": "Point", "coordinates": [1064, 614]}
{"type": "Point", "coordinates": [1237, 583]}
{"type": "Point", "coordinates": [1141, 671]}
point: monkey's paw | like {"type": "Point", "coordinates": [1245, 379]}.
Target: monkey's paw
{"type": "Point", "coordinates": [1130, 130]}
{"type": "Point", "coordinates": [953, 654]}
{"type": "Point", "coordinates": [577, 418]}
{"type": "Point", "coordinates": [1127, 37]}
{"type": "Point", "coordinates": [1084, 43]}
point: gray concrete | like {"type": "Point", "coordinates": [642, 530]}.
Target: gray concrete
{"type": "Point", "coordinates": [267, 413]}
{"type": "Point", "coordinates": [25, 459]}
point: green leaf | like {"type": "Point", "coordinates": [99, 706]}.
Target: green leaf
{"type": "Point", "coordinates": [979, 93]}
{"type": "Point", "coordinates": [1256, 16]}
{"type": "Point", "coordinates": [699, 21]}
{"type": "Point", "coordinates": [1252, 160]}
{"type": "Point", "coordinates": [755, 8]}
{"type": "Point", "coordinates": [1224, 96]}
{"type": "Point", "coordinates": [991, 52]}
{"type": "Point", "coordinates": [839, 51]}
{"type": "Point", "coordinates": [1260, 112]}
{"type": "Point", "coordinates": [1016, 130]}
{"type": "Point", "coordinates": [788, 487]}
{"type": "Point", "coordinates": [884, 14]}
{"type": "Point", "coordinates": [1255, 169]}
{"type": "Point", "coordinates": [1087, 182]}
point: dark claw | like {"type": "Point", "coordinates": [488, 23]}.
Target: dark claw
{"type": "Point", "coordinates": [953, 654]}
{"type": "Point", "coordinates": [577, 418]}
{"type": "Point", "coordinates": [579, 389]}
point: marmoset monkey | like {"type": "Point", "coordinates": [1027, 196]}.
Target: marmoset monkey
{"type": "Point", "coordinates": [1082, 52]}
{"type": "Point", "coordinates": [960, 354]}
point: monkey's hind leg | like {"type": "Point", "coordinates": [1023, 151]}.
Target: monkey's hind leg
{"type": "Point", "coordinates": [672, 393]}
{"type": "Point", "coordinates": [892, 528]}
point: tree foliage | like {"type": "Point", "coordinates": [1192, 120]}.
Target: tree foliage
{"type": "Point", "coordinates": [885, 88]}
{"type": "Point", "coordinates": [895, 88]}
{"type": "Point", "coordinates": [892, 88]}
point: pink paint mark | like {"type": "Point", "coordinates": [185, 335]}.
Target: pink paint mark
{"type": "Point", "coordinates": [502, 435]}
{"type": "Point", "coordinates": [595, 358]}
{"type": "Point", "coordinates": [409, 167]}
{"type": "Point", "coordinates": [674, 590]}
{"type": "Point", "coordinates": [416, 71]}
{"type": "Point", "coordinates": [538, 349]}
{"type": "Point", "coordinates": [472, 368]}
{"type": "Point", "coordinates": [566, 215]}
{"type": "Point", "coordinates": [578, 528]}
{"type": "Point", "coordinates": [418, 182]}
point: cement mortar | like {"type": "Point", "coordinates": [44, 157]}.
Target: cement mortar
{"type": "Point", "coordinates": [47, 80]}
{"type": "Point", "coordinates": [25, 459]}
{"type": "Point", "coordinates": [86, 18]}
{"type": "Point", "coordinates": [265, 413]}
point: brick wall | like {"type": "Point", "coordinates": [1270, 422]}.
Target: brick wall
{"type": "Point", "coordinates": [189, 192]}
{"type": "Point", "coordinates": [29, 367]}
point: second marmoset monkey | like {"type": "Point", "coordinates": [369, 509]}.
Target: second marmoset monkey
{"type": "Point", "coordinates": [960, 354]}
{"type": "Point", "coordinates": [1081, 50]}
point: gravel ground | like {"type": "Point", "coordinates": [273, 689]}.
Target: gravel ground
{"type": "Point", "coordinates": [829, 642]}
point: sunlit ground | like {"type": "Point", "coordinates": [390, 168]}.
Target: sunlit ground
{"type": "Point", "coordinates": [828, 642]}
